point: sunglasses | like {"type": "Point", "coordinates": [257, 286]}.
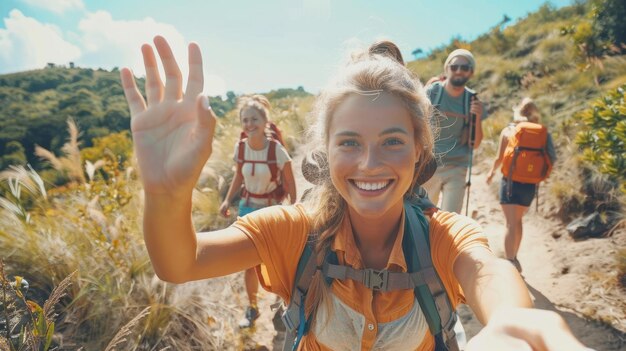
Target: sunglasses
{"type": "Point", "coordinates": [463, 68]}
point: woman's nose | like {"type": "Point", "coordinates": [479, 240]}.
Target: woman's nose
{"type": "Point", "coordinates": [370, 158]}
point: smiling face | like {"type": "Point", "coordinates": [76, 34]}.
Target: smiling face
{"type": "Point", "coordinates": [372, 153]}
{"type": "Point", "coordinates": [252, 121]}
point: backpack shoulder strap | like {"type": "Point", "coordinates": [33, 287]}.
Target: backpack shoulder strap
{"type": "Point", "coordinates": [271, 160]}
{"type": "Point", "coordinates": [241, 151]}
{"type": "Point", "coordinates": [294, 317]}
{"type": "Point", "coordinates": [436, 93]}
{"type": "Point", "coordinates": [432, 296]}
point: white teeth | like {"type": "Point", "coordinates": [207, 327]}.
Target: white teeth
{"type": "Point", "coordinates": [371, 186]}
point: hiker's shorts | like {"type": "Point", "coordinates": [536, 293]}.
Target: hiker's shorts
{"type": "Point", "coordinates": [521, 193]}
{"type": "Point", "coordinates": [244, 210]}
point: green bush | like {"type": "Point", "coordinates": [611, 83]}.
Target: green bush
{"type": "Point", "coordinates": [603, 135]}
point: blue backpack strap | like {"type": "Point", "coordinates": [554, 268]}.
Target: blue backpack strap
{"type": "Point", "coordinates": [294, 317]}
{"type": "Point", "coordinates": [432, 297]}
{"type": "Point", "coordinates": [436, 93]}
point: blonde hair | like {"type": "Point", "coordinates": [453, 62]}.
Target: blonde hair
{"type": "Point", "coordinates": [526, 111]}
{"type": "Point", "coordinates": [371, 72]}
{"type": "Point", "coordinates": [257, 102]}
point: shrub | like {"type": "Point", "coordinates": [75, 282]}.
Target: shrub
{"type": "Point", "coordinates": [602, 138]}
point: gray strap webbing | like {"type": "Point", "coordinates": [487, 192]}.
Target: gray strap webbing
{"type": "Point", "coordinates": [382, 280]}
{"type": "Point", "coordinates": [447, 315]}
{"type": "Point", "coordinates": [291, 316]}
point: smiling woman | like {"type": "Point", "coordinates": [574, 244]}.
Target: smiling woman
{"type": "Point", "coordinates": [372, 128]}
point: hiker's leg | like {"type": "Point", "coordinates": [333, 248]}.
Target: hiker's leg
{"type": "Point", "coordinates": [519, 228]}
{"type": "Point", "coordinates": [252, 285]}
{"type": "Point", "coordinates": [509, 239]}
{"type": "Point", "coordinates": [433, 188]}
{"type": "Point", "coordinates": [453, 188]}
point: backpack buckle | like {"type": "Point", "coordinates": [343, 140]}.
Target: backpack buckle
{"type": "Point", "coordinates": [376, 280]}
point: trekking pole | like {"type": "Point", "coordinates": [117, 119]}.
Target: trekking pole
{"type": "Point", "coordinates": [470, 143]}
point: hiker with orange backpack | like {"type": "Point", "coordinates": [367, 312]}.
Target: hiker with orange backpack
{"type": "Point", "coordinates": [526, 154]}
{"type": "Point", "coordinates": [263, 175]}
{"type": "Point", "coordinates": [377, 256]}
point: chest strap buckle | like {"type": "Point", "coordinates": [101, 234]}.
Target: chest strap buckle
{"type": "Point", "coordinates": [376, 280]}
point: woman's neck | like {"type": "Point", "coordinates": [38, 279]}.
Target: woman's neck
{"type": "Point", "coordinates": [375, 237]}
{"type": "Point", "coordinates": [257, 141]}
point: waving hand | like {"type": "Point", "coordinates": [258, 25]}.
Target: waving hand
{"type": "Point", "coordinates": [173, 131]}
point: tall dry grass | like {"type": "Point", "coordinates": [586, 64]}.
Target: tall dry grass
{"type": "Point", "coordinates": [92, 226]}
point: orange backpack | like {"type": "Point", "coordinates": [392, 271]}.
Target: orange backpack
{"type": "Point", "coordinates": [526, 157]}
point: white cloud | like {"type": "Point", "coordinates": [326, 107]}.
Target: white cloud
{"type": "Point", "coordinates": [56, 6]}
{"type": "Point", "coordinates": [108, 43]}
{"type": "Point", "coordinates": [26, 43]}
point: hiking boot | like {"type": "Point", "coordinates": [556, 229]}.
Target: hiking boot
{"type": "Point", "coordinates": [515, 264]}
{"type": "Point", "coordinates": [252, 313]}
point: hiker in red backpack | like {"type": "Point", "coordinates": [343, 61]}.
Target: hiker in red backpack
{"type": "Point", "coordinates": [372, 126]}
{"type": "Point", "coordinates": [263, 174]}
{"type": "Point", "coordinates": [526, 153]}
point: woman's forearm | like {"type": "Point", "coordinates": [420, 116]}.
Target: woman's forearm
{"type": "Point", "coordinates": [169, 235]}
{"type": "Point", "coordinates": [490, 284]}
{"type": "Point", "coordinates": [235, 185]}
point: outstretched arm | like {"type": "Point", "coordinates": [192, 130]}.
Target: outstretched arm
{"type": "Point", "coordinates": [500, 154]}
{"type": "Point", "coordinates": [235, 185]}
{"type": "Point", "coordinates": [173, 135]}
{"type": "Point", "coordinates": [499, 298]}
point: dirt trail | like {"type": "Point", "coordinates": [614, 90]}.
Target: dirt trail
{"type": "Point", "coordinates": [562, 275]}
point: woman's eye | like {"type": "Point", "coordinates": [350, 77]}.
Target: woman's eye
{"type": "Point", "coordinates": [394, 141]}
{"type": "Point", "coordinates": [349, 143]}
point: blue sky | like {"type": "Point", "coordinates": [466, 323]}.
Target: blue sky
{"type": "Point", "coordinates": [248, 46]}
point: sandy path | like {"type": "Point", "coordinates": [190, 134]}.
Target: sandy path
{"type": "Point", "coordinates": [557, 270]}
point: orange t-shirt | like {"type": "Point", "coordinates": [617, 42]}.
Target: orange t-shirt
{"type": "Point", "coordinates": [361, 319]}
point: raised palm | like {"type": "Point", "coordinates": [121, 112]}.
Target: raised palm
{"type": "Point", "coordinates": [173, 132]}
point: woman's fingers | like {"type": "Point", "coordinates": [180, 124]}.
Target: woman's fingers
{"type": "Point", "coordinates": [135, 101]}
{"type": "Point", "coordinates": [154, 85]}
{"type": "Point", "coordinates": [195, 82]}
{"type": "Point", "coordinates": [206, 117]}
{"type": "Point", "coordinates": [173, 77]}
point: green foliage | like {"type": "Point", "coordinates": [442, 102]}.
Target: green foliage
{"type": "Point", "coordinates": [36, 104]}
{"type": "Point", "coordinates": [609, 23]}
{"type": "Point", "coordinates": [602, 138]}
{"type": "Point", "coordinates": [13, 155]}
{"type": "Point", "coordinates": [118, 145]}
{"type": "Point", "coordinates": [220, 106]}
{"type": "Point", "coordinates": [35, 323]}
{"type": "Point", "coordinates": [286, 92]}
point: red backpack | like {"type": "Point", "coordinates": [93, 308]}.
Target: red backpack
{"type": "Point", "coordinates": [526, 157]}
{"type": "Point", "coordinates": [277, 194]}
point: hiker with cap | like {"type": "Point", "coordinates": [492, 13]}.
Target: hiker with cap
{"type": "Point", "coordinates": [374, 255]}
{"type": "Point", "coordinates": [526, 153]}
{"type": "Point", "coordinates": [458, 120]}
